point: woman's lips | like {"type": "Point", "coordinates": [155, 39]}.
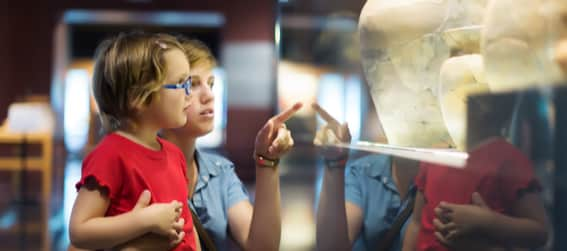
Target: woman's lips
{"type": "Point", "coordinates": [209, 113]}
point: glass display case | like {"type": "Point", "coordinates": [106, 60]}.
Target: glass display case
{"type": "Point", "coordinates": [459, 99]}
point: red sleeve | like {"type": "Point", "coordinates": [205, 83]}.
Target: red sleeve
{"type": "Point", "coordinates": [105, 168]}
{"type": "Point", "coordinates": [517, 178]}
{"type": "Point", "coordinates": [420, 179]}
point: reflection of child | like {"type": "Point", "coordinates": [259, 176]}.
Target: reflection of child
{"type": "Point", "coordinates": [141, 84]}
{"type": "Point", "coordinates": [511, 216]}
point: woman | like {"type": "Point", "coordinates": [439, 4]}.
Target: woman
{"type": "Point", "coordinates": [219, 198]}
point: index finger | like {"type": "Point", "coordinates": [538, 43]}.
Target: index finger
{"type": "Point", "coordinates": [324, 114]}
{"type": "Point", "coordinates": [285, 115]}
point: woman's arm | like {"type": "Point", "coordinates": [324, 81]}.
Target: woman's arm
{"type": "Point", "coordinates": [338, 222]}
{"type": "Point", "coordinates": [412, 231]}
{"type": "Point", "coordinates": [89, 229]}
{"type": "Point", "coordinates": [258, 227]}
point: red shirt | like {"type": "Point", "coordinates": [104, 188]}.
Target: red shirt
{"type": "Point", "coordinates": [126, 169]}
{"type": "Point", "coordinates": [496, 169]}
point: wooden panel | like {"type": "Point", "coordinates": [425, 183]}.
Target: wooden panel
{"type": "Point", "coordinates": [242, 126]}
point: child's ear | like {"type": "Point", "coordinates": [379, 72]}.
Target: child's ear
{"type": "Point", "coordinates": [138, 105]}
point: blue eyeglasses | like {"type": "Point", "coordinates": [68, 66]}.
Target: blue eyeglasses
{"type": "Point", "coordinates": [186, 85]}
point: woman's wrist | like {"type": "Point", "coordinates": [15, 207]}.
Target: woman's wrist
{"type": "Point", "coordinates": [336, 161]}
{"type": "Point", "coordinates": [263, 161]}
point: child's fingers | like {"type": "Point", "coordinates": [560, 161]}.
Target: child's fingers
{"type": "Point", "coordinates": [442, 239]}
{"type": "Point", "coordinates": [441, 215]}
{"type": "Point", "coordinates": [438, 212]}
{"type": "Point", "coordinates": [172, 234]}
{"type": "Point", "coordinates": [177, 206]}
{"type": "Point", "coordinates": [444, 228]}
{"type": "Point", "coordinates": [438, 225]}
{"type": "Point", "coordinates": [452, 234]}
{"type": "Point", "coordinates": [143, 200]}
{"type": "Point", "coordinates": [178, 225]}
{"type": "Point", "coordinates": [175, 242]}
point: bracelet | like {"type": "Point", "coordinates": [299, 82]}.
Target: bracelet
{"type": "Point", "coordinates": [262, 161]}
{"type": "Point", "coordinates": [334, 163]}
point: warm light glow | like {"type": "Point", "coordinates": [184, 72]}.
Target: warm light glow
{"type": "Point", "coordinates": [354, 105]}
{"type": "Point", "coordinates": [296, 83]}
{"type": "Point", "coordinates": [76, 110]}
{"type": "Point", "coordinates": [331, 96]}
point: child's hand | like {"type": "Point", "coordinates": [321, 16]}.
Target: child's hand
{"type": "Point", "coordinates": [178, 238]}
{"type": "Point", "coordinates": [454, 221]}
{"type": "Point", "coordinates": [150, 242]}
{"type": "Point", "coordinates": [164, 218]}
{"type": "Point", "coordinates": [153, 241]}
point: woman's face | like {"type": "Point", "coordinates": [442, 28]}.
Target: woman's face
{"type": "Point", "coordinates": [200, 115]}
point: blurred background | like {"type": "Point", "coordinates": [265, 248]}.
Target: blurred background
{"type": "Point", "coordinates": [271, 54]}
{"type": "Point", "coordinates": [49, 120]}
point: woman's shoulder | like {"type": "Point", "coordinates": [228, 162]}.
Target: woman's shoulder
{"type": "Point", "coordinates": [373, 164]}
{"type": "Point", "coordinates": [215, 161]}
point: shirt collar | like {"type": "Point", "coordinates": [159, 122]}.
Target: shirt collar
{"type": "Point", "coordinates": [381, 170]}
{"type": "Point", "coordinates": [380, 166]}
{"type": "Point", "coordinates": [207, 168]}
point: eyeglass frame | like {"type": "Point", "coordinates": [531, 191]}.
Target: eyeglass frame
{"type": "Point", "coordinates": [186, 85]}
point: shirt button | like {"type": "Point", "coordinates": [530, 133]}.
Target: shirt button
{"type": "Point", "coordinates": [384, 180]}
{"type": "Point", "coordinates": [217, 163]}
{"type": "Point", "coordinates": [205, 178]}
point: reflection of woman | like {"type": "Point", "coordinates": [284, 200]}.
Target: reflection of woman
{"type": "Point", "coordinates": [219, 198]}
{"type": "Point", "coordinates": [357, 209]}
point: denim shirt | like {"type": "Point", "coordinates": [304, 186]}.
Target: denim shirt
{"type": "Point", "coordinates": [218, 189]}
{"type": "Point", "coordinates": [370, 186]}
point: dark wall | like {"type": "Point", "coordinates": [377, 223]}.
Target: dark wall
{"type": "Point", "coordinates": [26, 34]}
{"type": "Point", "coordinates": [26, 50]}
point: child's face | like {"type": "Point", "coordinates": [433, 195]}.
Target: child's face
{"type": "Point", "coordinates": [169, 110]}
{"type": "Point", "coordinates": [200, 115]}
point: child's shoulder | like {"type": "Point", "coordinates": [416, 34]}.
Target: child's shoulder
{"type": "Point", "coordinates": [371, 165]}
{"type": "Point", "coordinates": [107, 147]}
{"type": "Point", "coordinates": [169, 147]}
{"type": "Point", "coordinates": [499, 148]}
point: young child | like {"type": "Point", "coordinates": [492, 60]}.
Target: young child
{"type": "Point", "coordinates": [141, 84]}
{"type": "Point", "coordinates": [491, 203]}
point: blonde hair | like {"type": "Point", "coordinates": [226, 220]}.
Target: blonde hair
{"type": "Point", "coordinates": [129, 70]}
{"type": "Point", "coordinates": [197, 53]}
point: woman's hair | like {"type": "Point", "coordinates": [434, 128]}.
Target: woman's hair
{"type": "Point", "coordinates": [129, 70]}
{"type": "Point", "coordinates": [197, 52]}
